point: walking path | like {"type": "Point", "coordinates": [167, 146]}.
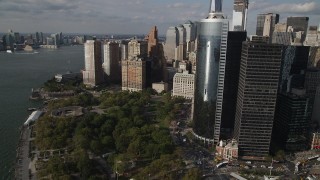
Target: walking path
{"type": "Point", "coordinates": [23, 160]}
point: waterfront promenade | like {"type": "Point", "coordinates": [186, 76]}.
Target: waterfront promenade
{"type": "Point", "coordinates": [23, 160]}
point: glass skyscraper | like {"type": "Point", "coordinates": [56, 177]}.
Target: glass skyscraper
{"type": "Point", "coordinates": [211, 60]}
{"type": "Point", "coordinates": [240, 11]}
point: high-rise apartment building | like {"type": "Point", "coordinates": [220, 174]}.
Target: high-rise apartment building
{"type": "Point", "coordinates": [231, 81]}
{"type": "Point", "coordinates": [93, 72]}
{"type": "Point", "coordinates": [211, 60]}
{"type": "Point", "coordinates": [266, 24]}
{"type": "Point", "coordinates": [137, 49]}
{"type": "Point", "coordinates": [112, 62]}
{"type": "Point", "coordinates": [133, 74]}
{"type": "Point", "coordinates": [240, 12]}
{"type": "Point", "coordinates": [183, 85]}
{"type": "Point", "coordinates": [256, 100]}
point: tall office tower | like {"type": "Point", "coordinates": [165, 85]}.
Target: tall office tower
{"type": "Point", "coordinates": [312, 37]}
{"type": "Point", "coordinates": [284, 38]}
{"type": "Point", "coordinates": [256, 100]}
{"type": "Point", "coordinates": [152, 39]}
{"type": "Point", "coordinates": [183, 85]}
{"type": "Point", "coordinates": [182, 45]}
{"type": "Point", "coordinates": [231, 81]}
{"type": "Point", "coordinates": [93, 72]}
{"type": "Point", "coordinates": [215, 6]}
{"type": "Point", "coordinates": [137, 49]}
{"type": "Point", "coordinates": [294, 63]}
{"type": "Point", "coordinates": [37, 38]}
{"type": "Point", "coordinates": [133, 74]}
{"type": "Point", "coordinates": [280, 27]}
{"type": "Point", "coordinates": [292, 121]}
{"type": "Point", "coordinates": [240, 12]}
{"type": "Point", "coordinates": [17, 38]}
{"type": "Point", "coordinates": [8, 40]}
{"type": "Point", "coordinates": [312, 81]}
{"type": "Point", "coordinates": [41, 38]}
{"type": "Point", "coordinates": [60, 38]}
{"type": "Point", "coordinates": [172, 42]}
{"type": "Point", "coordinates": [191, 33]}
{"type": "Point", "coordinates": [316, 107]}
{"type": "Point", "coordinates": [112, 62]}
{"type": "Point", "coordinates": [266, 24]}
{"type": "Point", "coordinates": [211, 59]}
{"type": "Point", "coordinates": [314, 57]}
{"type": "Point", "coordinates": [299, 24]}
{"type": "Point", "coordinates": [193, 61]}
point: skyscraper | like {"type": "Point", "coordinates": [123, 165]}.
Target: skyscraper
{"type": "Point", "coordinates": [256, 100]}
{"type": "Point", "coordinates": [292, 121]}
{"type": "Point", "coordinates": [215, 6]}
{"type": "Point", "coordinates": [211, 59]}
{"type": "Point", "coordinates": [111, 63]}
{"type": "Point", "coordinates": [191, 33]}
{"type": "Point", "coordinates": [137, 48]}
{"type": "Point", "coordinates": [181, 51]}
{"type": "Point", "coordinates": [172, 42]}
{"type": "Point", "coordinates": [298, 24]}
{"type": "Point", "coordinates": [294, 63]}
{"type": "Point", "coordinates": [152, 39]}
{"type": "Point", "coordinates": [240, 12]}
{"type": "Point", "coordinates": [93, 72]}
{"type": "Point", "coordinates": [266, 24]}
{"type": "Point", "coordinates": [231, 81]}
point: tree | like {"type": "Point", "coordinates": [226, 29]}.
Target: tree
{"type": "Point", "coordinates": [193, 174]}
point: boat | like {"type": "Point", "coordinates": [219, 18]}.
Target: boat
{"type": "Point", "coordinates": [9, 51]}
{"type": "Point", "coordinates": [32, 109]}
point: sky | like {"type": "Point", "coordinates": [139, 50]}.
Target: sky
{"type": "Point", "coordinates": [132, 16]}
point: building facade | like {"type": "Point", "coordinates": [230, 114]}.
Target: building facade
{"type": "Point", "coordinates": [256, 100]}
{"type": "Point", "coordinates": [183, 85]}
{"type": "Point", "coordinates": [211, 59]}
{"type": "Point", "coordinates": [137, 49]}
{"type": "Point", "coordinates": [266, 24]}
{"type": "Point", "coordinates": [240, 12]}
{"type": "Point", "coordinates": [231, 81]}
{"type": "Point", "coordinates": [93, 72]}
{"type": "Point", "coordinates": [133, 74]}
{"type": "Point", "coordinates": [293, 121]}
{"type": "Point", "coordinates": [112, 61]}
{"type": "Point", "coordinates": [172, 42]}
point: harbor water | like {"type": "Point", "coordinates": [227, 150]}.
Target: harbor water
{"type": "Point", "coordinates": [19, 73]}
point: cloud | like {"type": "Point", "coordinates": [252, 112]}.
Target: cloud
{"type": "Point", "coordinates": [299, 8]}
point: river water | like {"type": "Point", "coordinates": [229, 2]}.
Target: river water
{"type": "Point", "coordinates": [19, 73]}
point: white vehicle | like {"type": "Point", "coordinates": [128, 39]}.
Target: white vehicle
{"type": "Point", "coordinates": [263, 166]}
{"type": "Point", "coordinates": [248, 162]}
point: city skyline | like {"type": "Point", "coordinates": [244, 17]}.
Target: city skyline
{"type": "Point", "coordinates": [123, 17]}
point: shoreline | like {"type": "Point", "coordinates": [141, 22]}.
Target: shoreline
{"type": "Point", "coordinates": [21, 165]}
